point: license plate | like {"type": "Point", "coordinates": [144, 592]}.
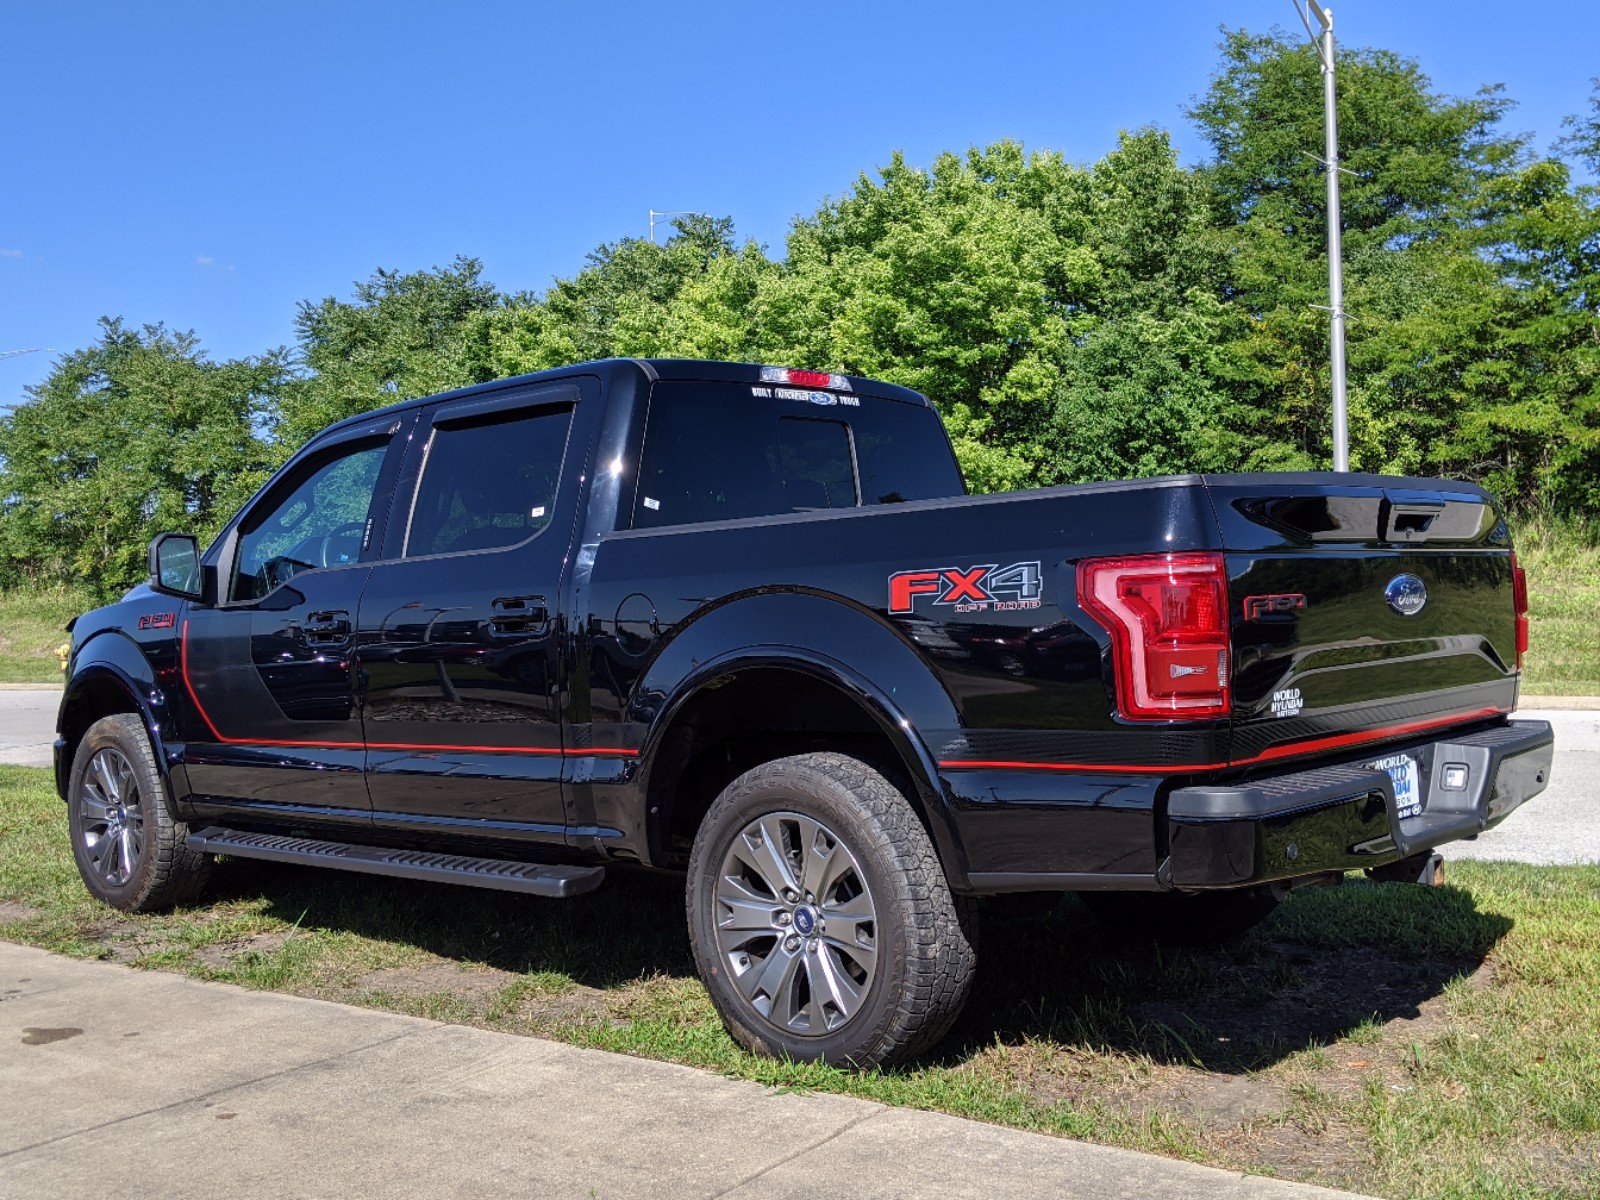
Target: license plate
{"type": "Point", "coordinates": [1402, 769]}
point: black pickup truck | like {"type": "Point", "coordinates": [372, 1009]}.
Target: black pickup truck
{"type": "Point", "coordinates": [744, 622]}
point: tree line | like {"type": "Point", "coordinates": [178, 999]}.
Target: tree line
{"type": "Point", "coordinates": [1130, 316]}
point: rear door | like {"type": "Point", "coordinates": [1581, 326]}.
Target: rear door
{"type": "Point", "coordinates": [1377, 604]}
{"type": "Point", "coordinates": [459, 631]}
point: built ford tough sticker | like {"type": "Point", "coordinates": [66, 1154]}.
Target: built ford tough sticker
{"type": "Point", "coordinates": [987, 588]}
{"type": "Point", "coordinates": [826, 399]}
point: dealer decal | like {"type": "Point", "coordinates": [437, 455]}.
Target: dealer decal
{"type": "Point", "coordinates": [986, 588]}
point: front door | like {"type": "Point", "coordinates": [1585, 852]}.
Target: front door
{"type": "Point", "coordinates": [271, 719]}
{"type": "Point", "coordinates": [458, 631]}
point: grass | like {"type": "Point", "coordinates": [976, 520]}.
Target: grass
{"type": "Point", "coordinates": [31, 627]}
{"type": "Point", "coordinates": [1563, 565]}
{"type": "Point", "coordinates": [1396, 1040]}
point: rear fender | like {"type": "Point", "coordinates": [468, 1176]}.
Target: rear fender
{"type": "Point", "coordinates": [845, 646]}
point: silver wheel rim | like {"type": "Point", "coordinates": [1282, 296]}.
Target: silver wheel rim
{"type": "Point", "coordinates": [111, 816]}
{"type": "Point", "coordinates": [796, 924]}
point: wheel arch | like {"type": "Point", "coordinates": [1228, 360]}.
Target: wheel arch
{"type": "Point", "coordinates": [855, 681]}
{"type": "Point", "coordinates": [110, 675]}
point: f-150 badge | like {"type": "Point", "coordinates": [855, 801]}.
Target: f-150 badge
{"type": "Point", "coordinates": [986, 588]}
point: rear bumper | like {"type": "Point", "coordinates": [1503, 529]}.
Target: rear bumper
{"type": "Point", "coordinates": [1343, 818]}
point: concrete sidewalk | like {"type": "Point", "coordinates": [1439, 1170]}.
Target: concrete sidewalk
{"type": "Point", "coordinates": [116, 1082]}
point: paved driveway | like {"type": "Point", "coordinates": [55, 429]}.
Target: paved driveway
{"type": "Point", "coordinates": [28, 726]}
{"type": "Point", "coordinates": [1561, 826]}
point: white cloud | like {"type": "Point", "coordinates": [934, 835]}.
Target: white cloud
{"type": "Point", "coordinates": [6, 252]}
{"type": "Point", "coordinates": [204, 260]}
{"type": "Point", "coordinates": [209, 262]}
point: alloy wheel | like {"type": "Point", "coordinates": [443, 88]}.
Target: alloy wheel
{"type": "Point", "coordinates": [111, 817]}
{"type": "Point", "coordinates": [796, 923]}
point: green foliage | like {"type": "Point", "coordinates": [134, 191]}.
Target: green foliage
{"type": "Point", "coordinates": [139, 433]}
{"type": "Point", "coordinates": [1127, 317]}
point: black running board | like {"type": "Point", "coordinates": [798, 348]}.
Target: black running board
{"type": "Point", "coordinates": [538, 879]}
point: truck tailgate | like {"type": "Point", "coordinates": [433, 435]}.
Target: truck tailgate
{"type": "Point", "coordinates": [1363, 604]}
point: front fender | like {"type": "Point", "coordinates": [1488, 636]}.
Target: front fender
{"type": "Point", "coordinates": [110, 659]}
{"type": "Point", "coordinates": [828, 638]}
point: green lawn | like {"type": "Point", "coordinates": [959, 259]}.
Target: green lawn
{"type": "Point", "coordinates": [1391, 1039]}
{"type": "Point", "coordinates": [1563, 566]}
{"type": "Point", "coordinates": [31, 627]}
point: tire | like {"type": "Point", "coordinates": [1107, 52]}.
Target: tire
{"type": "Point", "coordinates": [1181, 918]}
{"type": "Point", "coordinates": [894, 972]}
{"type": "Point", "coordinates": [129, 850]}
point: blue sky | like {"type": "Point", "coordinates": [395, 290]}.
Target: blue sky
{"type": "Point", "coordinates": [211, 164]}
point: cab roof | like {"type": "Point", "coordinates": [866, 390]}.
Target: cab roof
{"type": "Point", "coordinates": [691, 369]}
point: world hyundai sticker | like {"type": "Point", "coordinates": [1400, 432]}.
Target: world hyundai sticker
{"type": "Point", "coordinates": [985, 588]}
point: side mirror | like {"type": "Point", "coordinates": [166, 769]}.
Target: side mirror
{"type": "Point", "coordinates": [175, 565]}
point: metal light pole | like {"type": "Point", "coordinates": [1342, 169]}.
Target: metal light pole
{"type": "Point", "coordinates": [1330, 161]}
{"type": "Point", "coordinates": [677, 212]}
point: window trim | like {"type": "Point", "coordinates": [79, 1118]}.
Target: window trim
{"type": "Point", "coordinates": [293, 474]}
{"type": "Point", "coordinates": [466, 415]}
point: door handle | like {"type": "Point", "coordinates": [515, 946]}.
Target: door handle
{"type": "Point", "coordinates": [327, 628]}
{"type": "Point", "coordinates": [518, 616]}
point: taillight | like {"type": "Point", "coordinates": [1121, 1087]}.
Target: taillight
{"type": "Point", "coordinates": [1519, 599]}
{"type": "Point", "coordinates": [1168, 619]}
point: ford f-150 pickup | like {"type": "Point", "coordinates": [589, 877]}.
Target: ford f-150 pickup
{"type": "Point", "coordinates": [745, 623]}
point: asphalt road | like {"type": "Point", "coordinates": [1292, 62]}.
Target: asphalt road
{"type": "Point", "coordinates": [1561, 826]}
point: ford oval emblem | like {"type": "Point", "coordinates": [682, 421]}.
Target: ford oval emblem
{"type": "Point", "coordinates": [1406, 594]}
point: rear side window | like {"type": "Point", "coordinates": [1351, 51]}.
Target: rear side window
{"type": "Point", "coordinates": [488, 484]}
{"type": "Point", "coordinates": [718, 452]}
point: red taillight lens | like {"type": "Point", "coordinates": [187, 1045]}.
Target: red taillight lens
{"type": "Point", "coordinates": [1168, 619]}
{"type": "Point", "coordinates": [1519, 598]}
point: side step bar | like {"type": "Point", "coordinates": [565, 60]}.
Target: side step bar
{"type": "Point", "coordinates": [556, 881]}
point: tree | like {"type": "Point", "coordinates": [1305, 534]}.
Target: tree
{"type": "Point", "coordinates": [404, 335]}
{"type": "Point", "coordinates": [139, 433]}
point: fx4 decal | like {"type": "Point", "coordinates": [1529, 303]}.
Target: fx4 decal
{"type": "Point", "coordinates": [969, 589]}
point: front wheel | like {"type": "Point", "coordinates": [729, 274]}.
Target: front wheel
{"type": "Point", "coordinates": [129, 850]}
{"type": "Point", "coordinates": [1181, 918]}
{"type": "Point", "coordinates": [822, 923]}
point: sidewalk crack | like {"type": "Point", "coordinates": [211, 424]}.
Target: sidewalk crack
{"type": "Point", "coordinates": [219, 1091]}
{"type": "Point", "coordinates": [803, 1150]}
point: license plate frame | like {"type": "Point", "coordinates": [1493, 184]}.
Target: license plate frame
{"type": "Point", "coordinates": [1406, 774]}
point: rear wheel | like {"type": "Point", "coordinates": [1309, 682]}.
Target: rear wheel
{"type": "Point", "coordinates": [1181, 918]}
{"type": "Point", "coordinates": [820, 916]}
{"type": "Point", "coordinates": [129, 850]}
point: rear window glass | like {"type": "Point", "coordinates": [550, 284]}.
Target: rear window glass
{"type": "Point", "coordinates": [489, 484]}
{"type": "Point", "coordinates": [716, 452]}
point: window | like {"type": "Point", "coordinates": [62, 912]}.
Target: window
{"type": "Point", "coordinates": [717, 452]}
{"type": "Point", "coordinates": [814, 457]}
{"type": "Point", "coordinates": [488, 484]}
{"type": "Point", "coordinates": [320, 521]}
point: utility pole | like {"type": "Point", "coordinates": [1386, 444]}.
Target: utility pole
{"type": "Point", "coordinates": [1330, 129]}
{"type": "Point", "coordinates": [677, 212]}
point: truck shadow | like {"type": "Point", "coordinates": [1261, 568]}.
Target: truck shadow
{"type": "Point", "coordinates": [1331, 962]}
